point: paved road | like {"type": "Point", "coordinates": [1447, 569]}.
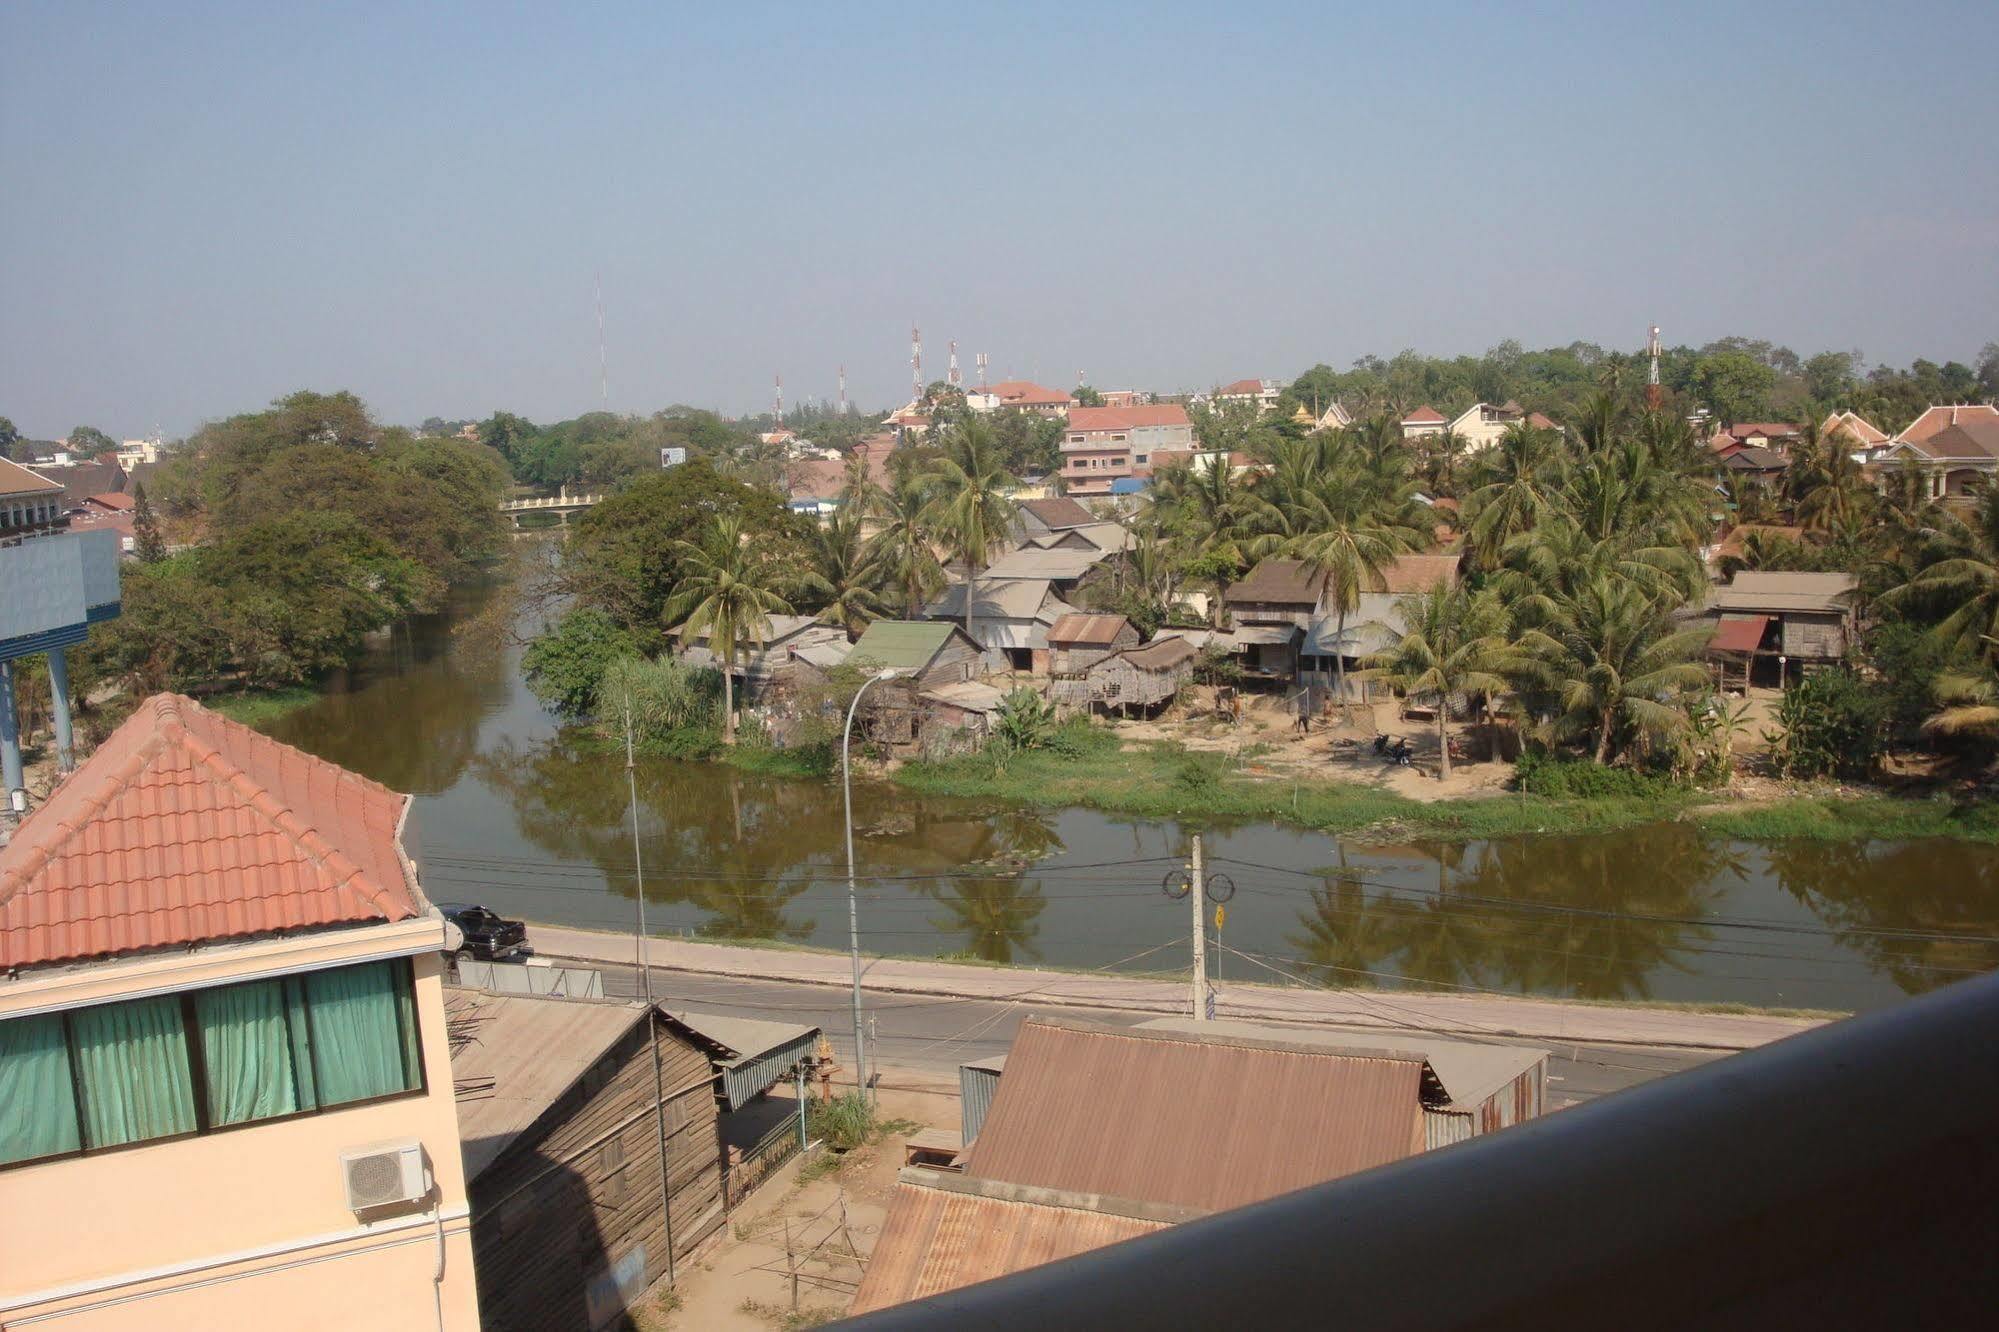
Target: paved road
{"type": "Point", "coordinates": [922, 1040]}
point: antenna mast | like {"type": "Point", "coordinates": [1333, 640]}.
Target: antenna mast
{"type": "Point", "coordinates": [777, 403]}
{"type": "Point", "coordinates": [843, 390]}
{"type": "Point", "coordinates": [982, 359]}
{"type": "Point", "coordinates": [951, 376]}
{"type": "Point", "coordinates": [916, 362]}
{"type": "Point", "coordinates": [1653, 392]}
{"type": "Point", "coordinates": [603, 364]}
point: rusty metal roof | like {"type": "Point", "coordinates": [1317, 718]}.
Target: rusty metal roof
{"type": "Point", "coordinates": [185, 827]}
{"type": "Point", "coordinates": [1280, 581]}
{"type": "Point", "coordinates": [1089, 630]}
{"type": "Point", "coordinates": [946, 1231]}
{"type": "Point", "coordinates": [1193, 1120]}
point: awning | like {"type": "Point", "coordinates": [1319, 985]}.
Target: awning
{"type": "Point", "coordinates": [1267, 635]}
{"type": "Point", "coordinates": [752, 1055]}
{"type": "Point", "coordinates": [1739, 633]}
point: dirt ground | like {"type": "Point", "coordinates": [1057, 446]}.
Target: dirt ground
{"type": "Point", "coordinates": [740, 1284]}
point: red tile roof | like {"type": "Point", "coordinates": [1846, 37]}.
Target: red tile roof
{"type": "Point", "coordinates": [1125, 418]}
{"type": "Point", "coordinates": [1855, 426]}
{"type": "Point", "coordinates": [1192, 1121]}
{"type": "Point", "coordinates": [114, 500]}
{"type": "Point", "coordinates": [184, 828]}
{"type": "Point", "coordinates": [1244, 387]}
{"type": "Point", "coordinates": [1025, 393]}
{"type": "Point", "coordinates": [1540, 422]}
{"type": "Point", "coordinates": [1955, 432]}
{"type": "Point", "coordinates": [1424, 415]}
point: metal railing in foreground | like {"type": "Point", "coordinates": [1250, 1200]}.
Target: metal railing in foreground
{"type": "Point", "coordinates": [1845, 1177]}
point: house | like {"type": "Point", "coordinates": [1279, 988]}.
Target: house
{"type": "Point", "coordinates": [1273, 607]}
{"type": "Point", "coordinates": [1259, 393]}
{"type": "Point", "coordinates": [761, 666]}
{"type": "Point", "coordinates": [1957, 448]}
{"type": "Point", "coordinates": [1853, 429]}
{"type": "Point", "coordinates": [1097, 1133]}
{"type": "Point", "coordinates": [1481, 425]}
{"type": "Point", "coordinates": [225, 1085]}
{"type": "Point", "coordinates": [1376, 622]}
{"type": "Point", "coordinates": [1140, 677]}
{"type": "Point", "coordinates": [1010, 618]}
{"type": "Point", "coordinates": [1757, 463]}
{"type": "Point", "coordinates": [1777, 435]}
{"type": "Point", "coordinates": [29, 502]}
{"type": "Point", "coordinates": [1803, 618]}
{"type": "Point", "coordinates": [1106, 444]}
{"type": "Point", "coordinates": [1077, 642]}
{"type": "Point", "coordinates": [1021, 394]}
{"type": "Point", "coordinates": [1424, 422]}
{"type": "Point", "coordinates": [1058, 520]}
{"type": "Point", "coordinates": [929, 652]}
{"type": "Point", "coordinates": [1063, 562]}
{"type": "Point", "coordinates": [556, 1102]}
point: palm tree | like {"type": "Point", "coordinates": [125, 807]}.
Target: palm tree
{"type": "Point", "coordinates": [1455, 645]}
{"type": "Point", "coordinates": [1964, 587]}
{"type": "Point", "coordinates": [844, 575]}
{"type": "Point", "coordinates": [1829, 488]}
{"type": "Point", "coordinates": [1351, 550]}
{"type": "Point", "coordinates": [1613, 661]}
{"type": "Point", "coordinates": [1206, 513]}
{"type": "Point", "coordinates": [728, 590]}
{"type": "Point", "coordinates": [1514, 482]}
{"type": "Point", "coordinates": [902, 546]}
{"type": "Point", "coordinates": [971, 507]}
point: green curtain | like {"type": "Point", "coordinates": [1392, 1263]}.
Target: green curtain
{"type": "Point", "coordinates": [308, 1085]}
{"type": "Point", "coordinates": [246, 1052]}
{"type": "Point", "coordinates": [357, 1039]}
{"type": "Point", "coordinates": [37, 1100]}
{"type": "Point", "coordinates": [131, 1060]}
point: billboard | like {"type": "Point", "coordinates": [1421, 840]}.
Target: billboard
{"type": "Point", "coordinates": [672, 457]}
{"type": "Point", "coordinates": [57, 586]}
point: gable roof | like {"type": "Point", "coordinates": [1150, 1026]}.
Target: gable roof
{"type": "Point", "coordinates": [82, 480]}
{"type": "Point", "coordinates": [1959, 441]}
{"type": "Point", "coordinates": [1855, 427]}
{"type": "Point", "coordinates": [1280, 581]}
{"type": "Point", "coordinates": [1978, 419]}
{"type": "Point", "coordinates": [1126, 418]}
{"type": "Point", "coordinates": [1160, 654]}
{"type": "Point", "coordinates": [186, 828]}
{"type": "Point", "coordinates": [1756, 589]}
{"type": "Point", "coordinates": [1424, 415]}
{"type": "Point", "coordinates": [944, 1231]}
{"type": "Point", "coordinates": [1541, 422]}
{"type": "Point", "coordinates": [115, 501]}
{"type": "Point", "coordinates": [1026, 393]}
{"type": "Point", "coordinates": [1058, 512]}
{"type": "Point", "coordinates": [514, 1055]}
{"type": "Point", "coordinates": [1419, 573]}
{"type": "Point", "coordinates": [904, 644]}
{"type": "Point", "coordinates": [18, 480]}
{"type": "Point", "coordinates": [1001, 599]}
{"type": "Point", "coordinates": [1243, 388]}
{"type": "Point", "coordinates": [1756, 458]}
{"type": "Point", "coordinates": [1088, 630]}
{"type": "Point", "coordinates": [1058, 563]}
{"type": "Point", "coordinates": [1203, 1121]}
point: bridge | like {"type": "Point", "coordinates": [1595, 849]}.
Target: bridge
{"type": "Point", "coordinates": [561, 505]}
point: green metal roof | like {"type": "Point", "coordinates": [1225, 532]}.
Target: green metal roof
{"type": "Point", "coordinates": [902, 644]}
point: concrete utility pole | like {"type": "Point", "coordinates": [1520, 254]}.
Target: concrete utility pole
{"type": "Point", "coordinates": [853, 911]}
{"type": "Point", "coordinates": [1198, 894]}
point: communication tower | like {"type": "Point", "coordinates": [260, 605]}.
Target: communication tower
{"type": "Point", "coordinates": [982, 360]}
{"type": "Point", "coordinates": [951, 375]}
{"type": "Point", "coordinates": [843, 390]}
{"type": "Point", "coordinates": [777, 403]}
{"type": "Point", "coordinates": [1653, 392]}
{"type": "Point", "coordinates": [916, 362]}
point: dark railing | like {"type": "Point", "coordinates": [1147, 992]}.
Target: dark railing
{"type": "Point", "coordinates": [741, 1176]}
{"type": "Point", "coordinates": [1845, 1177]}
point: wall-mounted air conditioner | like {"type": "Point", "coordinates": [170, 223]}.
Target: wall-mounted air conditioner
{"type": "Point", "coordinates": [385, 1175]}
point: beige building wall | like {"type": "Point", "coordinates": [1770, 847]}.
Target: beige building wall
{"type": "Point", "coordinates": [247, 1227]}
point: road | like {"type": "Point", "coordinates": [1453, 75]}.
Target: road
{"type": "Point", "coordinates": [922, 1040]}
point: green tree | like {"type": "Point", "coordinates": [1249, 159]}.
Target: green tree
{"type": "Point", "coordinates": [971, 507]}
{"type": "Point", "coordinates": [507, 435]}
{"type": "Point", "coordinates": [1832, 724]}
{"type": "Point", "coordinates": [1734, 385]}
{"type": "Point", "coordinates": [9, 438]}
{"type": "Point", "coordinates": [147, 544]}
{"type": "Point", "coordinates": [1086, 396]}
{"type": "Point", "coordinates": [1455, 647]}
{"type": "Point", "coordinates": [842, 580]}
{"type": "Point", "coordinates": [729, 591]}
{"type": "Point", "coordinates": [565, 666]}
{"type": "Point", "coordinates": [90, 441]}
{"type": "Point", "coordinates": [1351, 550]}
{"type": "Point", "coordinates": [1961, 591]}
{"type": "Point", "coordinates": [902, 546]}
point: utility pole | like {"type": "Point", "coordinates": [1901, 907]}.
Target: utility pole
{"type": "Point", "coordinates": [1198, 893]}
{"type": "Point", "coordinates": [652, 1015]}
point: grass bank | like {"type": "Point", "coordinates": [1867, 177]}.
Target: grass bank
{"type": "Point", "coordinates": [256, 707]}
{"type": "Point", "coordinates": [1164, 781]}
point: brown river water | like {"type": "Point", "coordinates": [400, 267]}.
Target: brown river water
{"type": "Point", "coordinates": [513, 813]}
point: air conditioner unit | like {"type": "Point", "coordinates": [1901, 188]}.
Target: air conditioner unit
{"type": "Point", "coordinates": [385, 1175]}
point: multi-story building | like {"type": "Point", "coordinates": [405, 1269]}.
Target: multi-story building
{"type": "Point", "coordinates": [1107, 444]}
{"type": "Point", "coordinates": [1021, 394]}
{"type": "Point", "coordinates": [225, 1086]}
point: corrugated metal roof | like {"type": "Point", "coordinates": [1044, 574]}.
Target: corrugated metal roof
{"type": "Point", "coordinates": [1467, 1071]}
{"type": "Point", "coordinates": [1057, 563]}
{"type": "Point", "coordinates": [513, 1056]}
{"type": "Point", "coordinates": [1419, 573]}
{"type": "Point", "coordinates": [1088, 630]}
{"type": "Point", "coordinates": [902, 644]}
{"type": "Point", "coordinates": [759, 1052]}
{"type": "Point", "coordinates": [944, 1231]}
{"type": "Point", "coordinates": [185, 827]}
{"type": "Point", "coordinates": [1280, 581]}
{"type": "Point", "coordinates": [1160, 654]}
{"type": "Point", "coordinates": [1005, 599]}
{"type": "Point", "coordinates": [972, 695]}
{"type": "Point", "coordinates": [1754, 590]}
{"type": "Point", "coordinates": [1058, 511]}
{"type": "Point", "coordinates": [1268, 635]}
{"type": "Point", "coordinates": [1208, 1122]}
{"type": "Point", "coordinates": [1738, 633]}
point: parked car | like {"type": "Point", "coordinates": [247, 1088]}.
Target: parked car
{"type": "Point", "coordinates": [489, 936]}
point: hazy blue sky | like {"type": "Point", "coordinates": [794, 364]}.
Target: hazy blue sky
{"type": "Point", "coordinates": [210, 205]}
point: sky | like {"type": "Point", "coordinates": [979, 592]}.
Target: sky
{"type": "Point", "coordinates": [210, 205]}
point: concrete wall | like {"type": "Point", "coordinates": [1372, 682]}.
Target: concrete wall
{"type": "Point", "coordinates": [247, 1227]}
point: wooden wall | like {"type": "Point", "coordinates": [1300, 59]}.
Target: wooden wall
{"type": "Point", "coordinates": [579, 1192]}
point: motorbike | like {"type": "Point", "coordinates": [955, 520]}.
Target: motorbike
{"type": "Point", "coordinates": [1393, 749]}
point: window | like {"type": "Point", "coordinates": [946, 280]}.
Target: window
{"type": "Point", "coordinates": [204, 1060]}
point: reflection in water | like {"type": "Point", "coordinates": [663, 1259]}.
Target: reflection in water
{"type": "Point", "coordinates": [534, 820]}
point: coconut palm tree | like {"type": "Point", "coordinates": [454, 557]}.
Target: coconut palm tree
{"type": "Point", "coordinates": [1206, 513]}
{"type": "Point", "coordinates": [902, 546]}
{"type": "Point", "coordinates": [844, 575]}
{"type": "Point", "coordinates": [1830, 490]}
{"type": "Point", "coordinates": [1613, 661]}
{"type": "Point", "coordinates": [1351, 550]}
{"type": "Point", "coordinates": [1513, 484]}
{"type": "Point", "coordinates": [1455, 645]}
{"type": "Point", "coordinates": [971, 508]}
{"type": "Point", "coordinates": [1963, 588]}
{"type": "Point", "coordinates": [728, 590]}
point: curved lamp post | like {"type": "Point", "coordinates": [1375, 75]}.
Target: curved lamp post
{"type": "Point", "coordinates": [853, 911]}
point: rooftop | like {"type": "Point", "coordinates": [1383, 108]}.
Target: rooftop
{"type": "Point", "coordinates": [1125, 418]}
{"type": "Point", "coordinates": [1088, 630]}
{"type": "Point", "coordinates": [1019, 598]}
{"type": "Point", "coordinates": [1025, 393]}
{"type": "Point", "coordinates": [1058, 512]}
{"type": "Point", "coordinates": [903, 644]}
{"type": "Point", "coordinates": [1424, 415]}
{"type": "Point", "coordinates": [1280, 581]}
{"type": "Point", "coordinates": [185, 827]}
{"type": "Point", "coordinates": [1757, 590]}
{"type": "Point", "coordinates": [1242, 388]}
{"type": "Point", "coordinates": [1059, 563]}
{"type": "Point", "coordinates": [1419, 573]}
{"type": "Point", "coordinates": [1159, 654]}
{"type": "Point", "coordinates": [18, 480]}
{"type": "Point", "coordinates": [1080, 1107]}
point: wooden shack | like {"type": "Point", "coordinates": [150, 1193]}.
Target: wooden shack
{"type": "Point", "coordinates": [561, 1144]}
{"type": "Point", "coordinates": [1078, 642]}
{"type": "Point", "coordinates": [1138, 677]}
{"type": "Point", "coordinates": [928, 652]}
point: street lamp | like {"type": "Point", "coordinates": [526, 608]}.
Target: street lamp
{"type": "Point", "coordinates": [853, 911]}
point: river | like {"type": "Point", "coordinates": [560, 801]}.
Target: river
{"type": "Point", "coordinates": [513, 813]}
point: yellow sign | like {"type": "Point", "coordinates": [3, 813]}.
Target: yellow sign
{"type": "Point", "coordinates": [1221, 915]}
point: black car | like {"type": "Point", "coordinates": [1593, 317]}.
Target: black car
{"type": "Point", "coordinates": [488, 935]}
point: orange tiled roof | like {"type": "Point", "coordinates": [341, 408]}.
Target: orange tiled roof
{"type": "Point", "coordinates": [185, 827]}
{"type": "Point", "coordinates": [1424, 415]}
{"type": "Point", "coordinates": [1244, 388]}
{"type": "Point", "coordinates": [1026, 393]}
{"type": "Point", "coordinates": [1125, 418]}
